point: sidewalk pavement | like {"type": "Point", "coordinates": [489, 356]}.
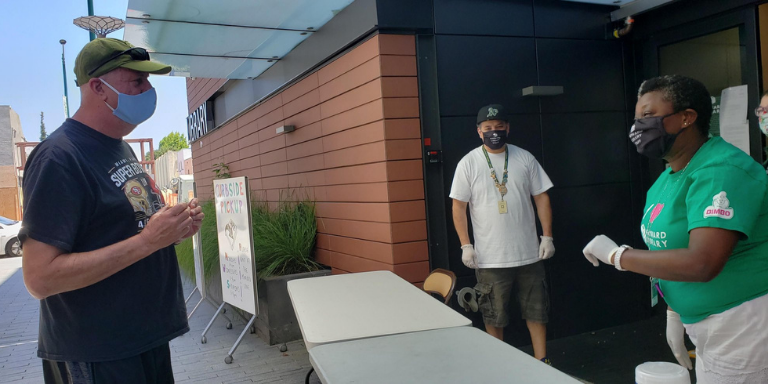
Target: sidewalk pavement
{"type": "Point", "coordinates": [193, 362]}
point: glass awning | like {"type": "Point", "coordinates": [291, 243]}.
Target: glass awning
{"type": "Point", "coordinates": [225, 39]}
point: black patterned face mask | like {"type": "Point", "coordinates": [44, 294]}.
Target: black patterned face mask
{"type": "Point", "coordinates": [495, 139]}
{"type": "Point", "coordinates": [650, 138]}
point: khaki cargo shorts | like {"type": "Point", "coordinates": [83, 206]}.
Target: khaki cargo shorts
{"type": "Point", "coordinates": [494, 290]}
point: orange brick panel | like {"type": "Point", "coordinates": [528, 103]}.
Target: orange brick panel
{"type": "Point", "coordinates": [323, 256]}
{"type": "Point", "coordinates": [276, 156]}
{"type": "Point", "coordinates": [375, 192]}
{"type": "Point", "coordinates": [406, 190]}
{"type": "Point", "coordinates": [356, 117]}
{"type": "Point", "coordinates": [230, 157]}
{"type": "Point", "coordinates": [302, 104]}
{"type": "Point", "coordinates": [301, 88]}
{"type": "Point", "coordinates": [336, 271]}
{"type": "Point", "coordinates": [323, 241]}
{"type": "Point", "coordinates": [272, 144]}
{"type": "Point", "coordinates": [249, 162]}
{"type": "Point", "coordinates": [357, 229]}
{"type": "Point", "coordinates": [410, 252]}
{"type": "Point", "coordinates": [409, 231]}
{"type": "Point", "coordinates": [407, 211]}
{"type": "Point", "coordinates": [274, 169]}
{"type": "Point", "coordinates": [303, 134]}
{"type": "Point", "coordinates": [373, 250]}
{"type": "Point", "coordinates": [251, 173]}
{"type": "Point", "coordinates": [398, 65]}
{"type": "Point", "coordinates": [269, 132]}
{"type": "Point", "coordinates": [396, 108]}
{"type": "Point", "coordinates": [354, 98]}
{"type": "Point", "coordinates": [274, 182]}
{"type": "Point", "coordinates": [349, 61]}
{"type": "Point", "coordinates": [363, 74]}
{"type": "Point", "coordinates": [404, 170]}
{"type": "Point", "coordinates": [403, 149]}
{"type": "Point", "coordinates": [397, 45]}
{"type": "Point", "coordinates": [304, 119]}
{"type": "Point", "coordinates": [249, 141]}
{"type": "Point", "coordinates": [413, 272]}
{"type": "Point", "coordinates": [399, 87]}
{"type": "Point", "coordinates": [306, 164]}
{"type": "Point", "coordinates": [306, 179]}
{"type": "Point", "coordinates": [368, 133]}
{"type": "Point", "coordinates": [378, 212]}
{"type": "Point", "coordinates": [358, 264]}
{"type": "Point", "coordinates": [367, 173]}
{"type": "Point", "coordinates": [402, 129]}
{"type": "Point", "coordinates": [270, 118]}
{"type": "Point", "coordinates": [361, 154]}
{"type": "Point", "coordinates": [309, 148]}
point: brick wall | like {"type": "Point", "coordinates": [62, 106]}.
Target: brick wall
{"type": "Point", "coordinates": [356, 151]}
{"type": "Point", "coordinates": [200, 89]}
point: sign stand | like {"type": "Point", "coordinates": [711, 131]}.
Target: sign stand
{"type": "Point", "coordinates": [236, 260]}
{"type": "Point", "coordinates": [188, 191]}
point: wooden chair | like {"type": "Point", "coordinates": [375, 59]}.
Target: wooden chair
{"type": "Point", "coordinates": [441, 282]}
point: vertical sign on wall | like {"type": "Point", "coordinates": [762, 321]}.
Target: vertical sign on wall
{"type": "Point", "coordinates": [235, 233]}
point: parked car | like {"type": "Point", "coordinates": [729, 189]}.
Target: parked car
{"type": "Point", "coordinates": [10, 246]}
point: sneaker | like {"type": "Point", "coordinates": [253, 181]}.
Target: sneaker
{"type": "Point", "coordinates": [547, 361]}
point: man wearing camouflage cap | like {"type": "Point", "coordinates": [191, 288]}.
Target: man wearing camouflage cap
{"type": "Point", "coordinates": [97, 238]}
{"type": "Point", "coordinates": [496, 181]}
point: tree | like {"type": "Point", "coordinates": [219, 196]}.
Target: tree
{"type": "Point", "coordinates": [174, 141]}
{"type": "Point", "coordinates": [43, 135]}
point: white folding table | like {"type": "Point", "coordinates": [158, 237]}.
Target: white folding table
{"type": "Point", "coordinates": [361, 305]}
{"type": "Point", "coordinates": [449, 355]}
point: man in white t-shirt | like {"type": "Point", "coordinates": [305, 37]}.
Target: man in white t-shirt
{"type": "Point", "coordinates": [497, 181]}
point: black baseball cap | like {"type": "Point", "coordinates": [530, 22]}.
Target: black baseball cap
{"type": "Point", "coordinates": [491, 112]}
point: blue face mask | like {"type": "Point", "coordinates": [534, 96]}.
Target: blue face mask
{"type": "Point", "coordinates": [134, 109]}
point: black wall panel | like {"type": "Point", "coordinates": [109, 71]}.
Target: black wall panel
{"type": "Point", "coordinates": [473, 71]}
{"type": "Point", "coordinates": [591, 73]}
{"type": "Point", "coordinates": [484, 17]}
{"type": "Point", "coordinates": [584, 297]}
{"type": "Point", "coordinates": [571, 20]}
{"type": "Point", "coordinates": [586, 148]}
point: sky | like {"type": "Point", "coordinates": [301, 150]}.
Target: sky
{"type": "Point", "coordinates": [31, 79]}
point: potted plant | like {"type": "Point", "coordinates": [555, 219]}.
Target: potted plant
{"type": "Point", "coordinates": [283, 245]}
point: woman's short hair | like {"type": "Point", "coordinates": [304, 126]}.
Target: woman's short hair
{"type": "Point", "coordinates": [683, 92]}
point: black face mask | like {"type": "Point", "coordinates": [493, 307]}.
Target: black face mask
{"type": "Point", "coordinates": [495, 139]}
{"type": "Point", "coordinates": [650, 138]}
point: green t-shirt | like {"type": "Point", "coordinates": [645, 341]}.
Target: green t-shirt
{"type": "Point", "coordinates": [722, 187]}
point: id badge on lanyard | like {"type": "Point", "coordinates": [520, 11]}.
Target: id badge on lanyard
{"type": "Point", "coordinates": [655, 291]}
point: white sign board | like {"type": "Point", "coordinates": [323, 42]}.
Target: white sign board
{"type": "Point", "coordinates": [236, 262]}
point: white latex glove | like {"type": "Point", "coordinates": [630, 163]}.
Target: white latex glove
{"type": "Point", "coordinates": [546, 248]}
{"type": "Point", "coordinates": [676, 339]}
{"type": "Point", "coordinates": [468, 256]}
{"type": "Point", "coordinates": [600, 248]}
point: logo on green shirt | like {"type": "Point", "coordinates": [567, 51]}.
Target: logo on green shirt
{"type": "Point", "coordinates": [720, 207]}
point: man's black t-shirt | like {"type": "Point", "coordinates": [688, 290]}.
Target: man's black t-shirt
{"type": "Point", "coordinates": [84, 191]}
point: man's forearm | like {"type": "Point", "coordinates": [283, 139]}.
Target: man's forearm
{"type": "Point", "coordinates": [544, 210]}
{"type": "Point", "coordinates": [46, 276]}
{"type": "Point", "coordinates": [460, 223]}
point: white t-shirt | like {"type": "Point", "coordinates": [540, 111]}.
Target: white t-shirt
{"type": "Point", "coordinates": [501, 240]}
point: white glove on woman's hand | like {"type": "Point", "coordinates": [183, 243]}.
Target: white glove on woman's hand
{"type": "Point", "coordinates": [546, 248]}
{"type": "Point", "coordinates": [468, 256]}
{"type": "Point", "coordinates": [600, 248]}
{"type": "Point", "coordinates": [676, 339]}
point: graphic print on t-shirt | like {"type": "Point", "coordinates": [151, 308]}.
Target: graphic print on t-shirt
{"type": "Point", "coordinates": [139, 189]}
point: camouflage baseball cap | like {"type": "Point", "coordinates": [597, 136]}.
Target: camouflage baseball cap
{"type": "Point", "coordinates": [103, 55]}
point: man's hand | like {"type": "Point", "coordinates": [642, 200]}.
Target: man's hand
{"type": "Point", "coordinates": [600, 248]}
{"type": "Point", "coordinates": [676, 339]}
{"type": "Point", "coordinates": [546, 248]}
{"type": "Point", "coordinates": [468, 256]}
{"type": "Point", "coordinates": [167, 226]}
{"type": "Point", "coordinates": [197, 215]}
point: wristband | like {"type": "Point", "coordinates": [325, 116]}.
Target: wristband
{"type": "Point", "coordinates": [617, 257]}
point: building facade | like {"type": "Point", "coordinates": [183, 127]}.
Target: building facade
{"type": "Point", "coordinates": [10, 160]}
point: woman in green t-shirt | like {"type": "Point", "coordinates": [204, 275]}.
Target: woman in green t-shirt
{"type": "Point", "coordinates": [705, 223]}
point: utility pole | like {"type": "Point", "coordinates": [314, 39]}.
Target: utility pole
{"type": "Point", "coordinates": [90, 13]}
{"type": "Point", "coordinates": [64, 72]}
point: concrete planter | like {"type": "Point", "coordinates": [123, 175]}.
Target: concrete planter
{"type": "Point", "coordinates": [276, 323]}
